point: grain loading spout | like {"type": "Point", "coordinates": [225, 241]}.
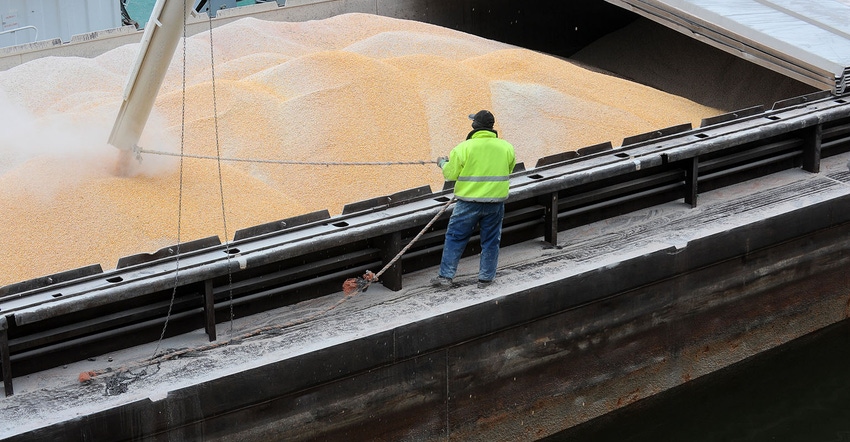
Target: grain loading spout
{"type": "Point", "coordinates": [159, 41]}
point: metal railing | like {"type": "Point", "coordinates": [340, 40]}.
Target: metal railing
{"type": "Point", "coordinates": [84, 312]}
{"type": "Point", "coordinates": [12, 31]}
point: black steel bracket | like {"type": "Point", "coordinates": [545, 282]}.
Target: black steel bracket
{"type": "Point", "coordinates": [6, 364]}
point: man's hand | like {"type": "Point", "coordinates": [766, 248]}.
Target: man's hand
{"type": "Point", "coordinates": [442, 161]}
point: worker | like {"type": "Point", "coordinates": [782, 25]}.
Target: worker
{"type": "Point", "coordinates": [480, 166]}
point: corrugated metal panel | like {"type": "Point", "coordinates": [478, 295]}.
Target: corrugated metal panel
{"type": "Point", "coordinates": [808, 40]}
{"type": "Point", "coordinates": [25, 21]}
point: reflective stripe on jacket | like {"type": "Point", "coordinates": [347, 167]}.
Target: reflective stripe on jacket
{"type": "Point", "coordinates": [481, 166]}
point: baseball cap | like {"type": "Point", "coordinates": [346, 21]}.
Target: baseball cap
{"type": "Point", "coordinates": [482, 119]}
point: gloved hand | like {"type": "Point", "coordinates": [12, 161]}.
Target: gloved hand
{"type": "Point", "coordinates": [442, 161]}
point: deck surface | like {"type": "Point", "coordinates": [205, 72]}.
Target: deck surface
{"type": "Point", "coordinates": [56, 395]}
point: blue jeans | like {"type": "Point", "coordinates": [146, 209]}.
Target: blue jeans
{"type": "Point", "coordinates": [465, 217]}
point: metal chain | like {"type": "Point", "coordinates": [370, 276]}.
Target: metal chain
{"type": "Point", "coordinates": [182, 155]}
{"type": "Point", "coordinates": [291, 162]}
{"type": "Point", "coordinates": [179, 197]}
{"type": "Point", "coordinates": [220, 178]}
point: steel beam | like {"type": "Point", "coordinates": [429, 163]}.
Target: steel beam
{"type": "Point", "coordinates": [812, 148]}
{"type": "Point", "coordinates": [550, 218]}
{"type": "Point", "coordinates": [691, 181]}
{"type": "Point", "coordinates": [209, 309]}
{"type": "Point", "coordinates": [5, 358]}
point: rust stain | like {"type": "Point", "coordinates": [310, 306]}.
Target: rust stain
{"type": "Point", "coordinates": [629, 398]}
{"type": "Point", "coordinates": [494, 418]}
{"type": "Point", "coordinates": [847, 309]}
{"type": "Point", "coordinates": [542, 340]}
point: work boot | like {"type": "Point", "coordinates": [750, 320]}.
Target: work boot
{"type": "Point", "coordinates": [482, 284]}
{"type": "Point", "coordinates": [441, 282]}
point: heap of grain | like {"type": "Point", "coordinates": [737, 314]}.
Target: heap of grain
{"type": "Point", "coordinates": [354, 87]}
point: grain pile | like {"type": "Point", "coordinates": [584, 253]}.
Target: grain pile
{"type": "Point", "coordinates": [354, 87]}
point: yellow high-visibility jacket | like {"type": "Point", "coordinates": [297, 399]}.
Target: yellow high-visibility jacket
{"type": "Point", "coordinates": [481, 166]}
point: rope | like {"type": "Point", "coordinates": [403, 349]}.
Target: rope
{"type": "Point", "coordinates": [116, 386]}
{"type": "Point", "coordinates": [119, 378]}
{"type": "Point", "coordinates": [419, 235]}
{"type": "Point", "coordinates": [353, 286]}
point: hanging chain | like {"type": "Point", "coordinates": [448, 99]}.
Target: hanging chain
{"type": "Point", "coordinates": [179, 195]}
{"type": "Point", "coordinates": [220, 178]}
